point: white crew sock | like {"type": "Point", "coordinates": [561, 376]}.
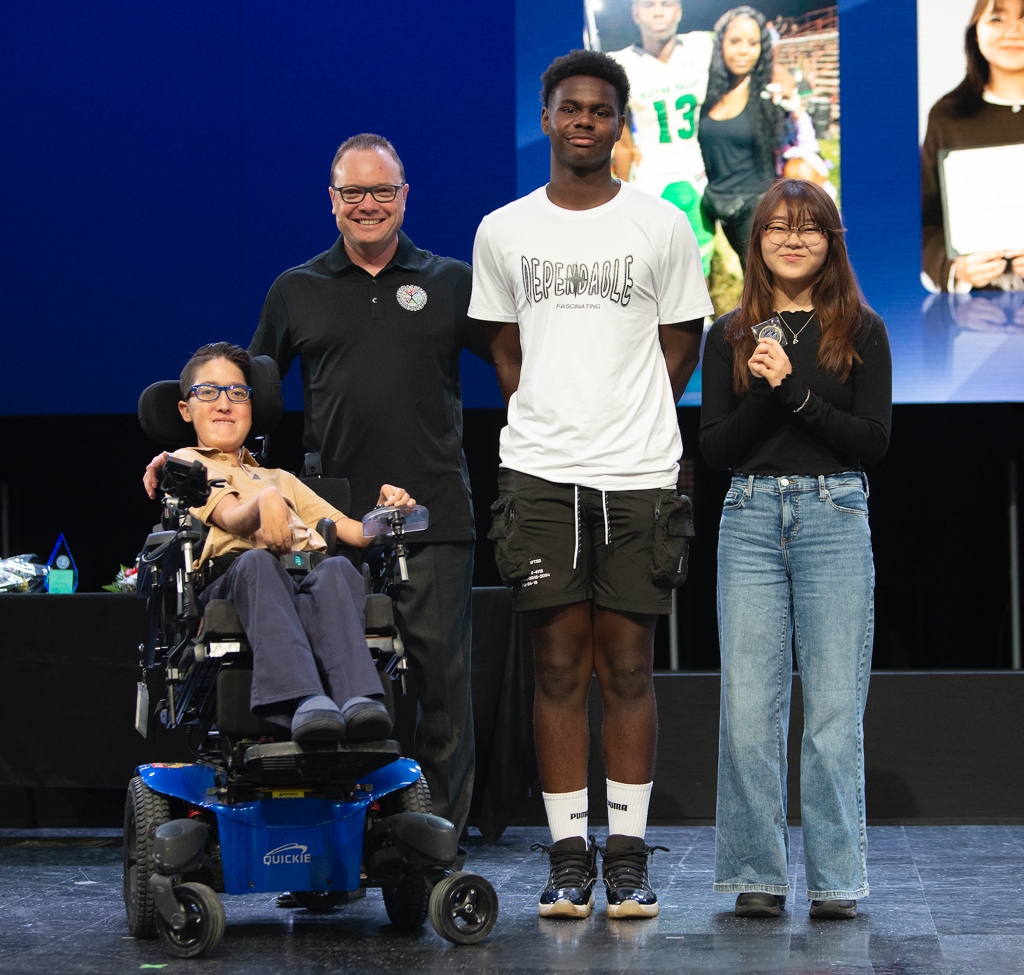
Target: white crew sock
{"type": "Point", "coordinates": [567, 814]}
{"type": "Point", "coordinates": [627, 808]}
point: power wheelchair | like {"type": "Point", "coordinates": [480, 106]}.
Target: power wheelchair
{"type": "Point", "coordinates": [257, 812]}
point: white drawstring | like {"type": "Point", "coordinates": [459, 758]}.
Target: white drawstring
{"type": "Point", "coordinates": [576, 519]}
{"type": "Point", "coordinates": [576, 515]}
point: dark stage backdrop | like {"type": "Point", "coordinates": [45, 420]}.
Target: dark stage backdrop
{"type": "Point", "coordinates": [938, 516]}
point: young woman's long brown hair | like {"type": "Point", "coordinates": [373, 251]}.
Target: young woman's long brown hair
{"type": "Point", "coordinates": [835, 295]}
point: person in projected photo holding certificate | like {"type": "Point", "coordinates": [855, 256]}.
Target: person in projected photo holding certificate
{"type": "Point", "coordinates": [983, 110]}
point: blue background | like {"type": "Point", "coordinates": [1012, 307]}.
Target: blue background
{"type": "Point", "coordinates": [163, 163]}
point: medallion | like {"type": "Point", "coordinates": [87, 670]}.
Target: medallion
{"type": "Point", "coordinates": [411, 297]}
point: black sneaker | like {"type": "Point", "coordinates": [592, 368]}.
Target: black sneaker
{"type": "Point", "coordinates": [757, 903]}
{"type": "Point", "coordinates": [834, 910]}
{"type": "Point", "coordinates": [570, 888]}
{"type": "Point", "coordinates": [624, 867]}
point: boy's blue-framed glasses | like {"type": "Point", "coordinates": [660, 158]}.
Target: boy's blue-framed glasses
{"type": "Point", "coordinates": [209, 393]}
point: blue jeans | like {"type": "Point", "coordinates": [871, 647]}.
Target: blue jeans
{"type": "Point", "coordinates": [794, 557]}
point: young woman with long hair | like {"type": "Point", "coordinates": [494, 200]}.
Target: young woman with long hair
{"type": "Point", "coordinates": [795, 423]}
{"type": "Point", "coordinates": [740, 125]}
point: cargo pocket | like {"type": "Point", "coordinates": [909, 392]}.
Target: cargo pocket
{"type": "Point", "coordinates": [508, 549]}
{"type": "Point", "coordinates": [673, 529]}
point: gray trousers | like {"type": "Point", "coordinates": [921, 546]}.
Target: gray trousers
{"type": "Point", "coordinates": [306, 638]}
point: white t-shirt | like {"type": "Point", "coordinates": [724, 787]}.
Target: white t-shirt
{"type": "Point", "coordinates": [664, 102]}
{"type": "Point", "coordinates": [589, 288]}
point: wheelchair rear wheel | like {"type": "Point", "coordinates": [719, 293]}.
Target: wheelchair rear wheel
{"type": "Point", "coordinates": [407, 903]}
{"type": "Point", "coordinates": [144, 810]}
{"type": "Point", "coordinates": [204, 922]}
{"type": "Point", "coordinates": [463, 908]}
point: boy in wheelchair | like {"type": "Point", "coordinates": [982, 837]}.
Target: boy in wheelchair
{"type": "Point", "coordinates": [312, 670]}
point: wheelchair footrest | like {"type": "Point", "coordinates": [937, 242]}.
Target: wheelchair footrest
{"type": "Point", "coordinates": [289, 762]}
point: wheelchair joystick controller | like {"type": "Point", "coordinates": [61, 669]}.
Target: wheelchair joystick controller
{"type": "Point", "coordinates": [394, 523]}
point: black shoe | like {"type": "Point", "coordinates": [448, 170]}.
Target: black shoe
{"type": "Point", "coordinates": [834, 910]}
{"type": "Point", "coordinates": [756, 903]}
{"type": "Point", "coordinates": [366, 720]}
{"type": "Point", "coordinates": [570, 888]}
{"type": "Point", "coordinates": [624, 867]}
{"type": "Point", "coordinates": [318, 718]}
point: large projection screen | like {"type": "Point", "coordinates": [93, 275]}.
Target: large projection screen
{"type": "Point", "coordinates": [891, 60]}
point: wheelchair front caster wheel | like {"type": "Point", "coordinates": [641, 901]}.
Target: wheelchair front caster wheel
{"type": "Point", "coordinates": [463, 908]}
{"type": "Point", "coordinates": [204, 924]}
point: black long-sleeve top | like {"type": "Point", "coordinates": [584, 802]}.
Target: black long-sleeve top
{"type": "Point", "coordinates": [840, 427]}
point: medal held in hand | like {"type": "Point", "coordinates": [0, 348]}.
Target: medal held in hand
{"type": "Point", "coordinates": [770, 329]}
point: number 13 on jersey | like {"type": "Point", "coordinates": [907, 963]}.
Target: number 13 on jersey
{"type": "Point", "coordinates": [686, 105]}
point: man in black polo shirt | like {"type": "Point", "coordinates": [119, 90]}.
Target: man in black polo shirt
{"type": "Point", "coordinates": [378, 326]}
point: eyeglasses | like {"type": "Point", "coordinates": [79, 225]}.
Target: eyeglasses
{"type": "Point", "coordinates": [209, 393]}
{"type": "Point", "coordinates": [382, 193]}
{"type": "Point", "coordinates": [809, 234]}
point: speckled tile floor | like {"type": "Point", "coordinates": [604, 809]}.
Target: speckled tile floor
{"type": "Point", "coordinates": [946, 900]}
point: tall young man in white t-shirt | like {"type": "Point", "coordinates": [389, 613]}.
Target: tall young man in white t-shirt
{"type": "Point", "coordinates": [668, 79]}
{"type": "Point", "coordinates": [594, 297]}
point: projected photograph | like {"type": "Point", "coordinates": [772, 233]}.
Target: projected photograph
{"type": "Point", "coordinates": [724, 99]}
{"type": "Point", "coordinates": [971, 129]}
{"type": "Point", "coordinates": [972, 153]}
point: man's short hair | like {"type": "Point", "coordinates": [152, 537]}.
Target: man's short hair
{"type": "Point", "coordinates": [591, 63]}
{"type": "Point", "coordinates": [215, 350]}
{"type": "Point", "coordinates": [367, 140]}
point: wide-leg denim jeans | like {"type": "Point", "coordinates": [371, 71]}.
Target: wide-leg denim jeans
{"type": "Point", "coordinates": [794, 559]}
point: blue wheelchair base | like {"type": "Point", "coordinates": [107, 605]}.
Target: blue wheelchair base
{"type": "Point", "coordinates": [290, 841]}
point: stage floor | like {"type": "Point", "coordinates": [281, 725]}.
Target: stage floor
{"type": "Point", "coordinates": [945, 900]}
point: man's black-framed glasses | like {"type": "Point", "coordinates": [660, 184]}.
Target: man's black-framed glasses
{"type": "Point", "coordinates": [382, 192]}
{"type": "Point", "coordinates": [210, 393]}
{"type": "Point", "coordinates": [810, 234]}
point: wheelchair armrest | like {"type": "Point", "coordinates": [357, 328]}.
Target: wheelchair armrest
{"type": "Point", "coordinates": [156, 539]}
{"type": "Point", "coordinates": [222, 633]}
{"type": "Point", "coordinates": [328, 531]}
{"type": "Point", "coordinates": [380, 614]}
{"type": "Point", "coordinates": [220, 619]}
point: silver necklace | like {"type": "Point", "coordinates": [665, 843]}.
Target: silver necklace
{"type": "Point", "coordinates": [796, 335]}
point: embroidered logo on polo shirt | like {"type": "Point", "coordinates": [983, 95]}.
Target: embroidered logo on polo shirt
{"type": "Point", "coordinates": [411, 297]}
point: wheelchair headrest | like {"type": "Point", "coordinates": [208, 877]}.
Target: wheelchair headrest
{"type": "Point", "coordinates": [162, 423]}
